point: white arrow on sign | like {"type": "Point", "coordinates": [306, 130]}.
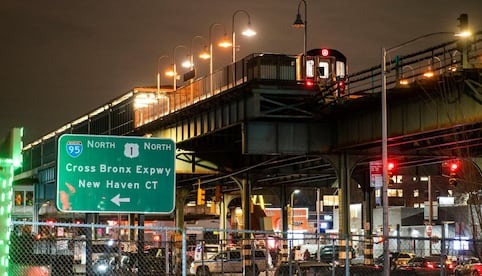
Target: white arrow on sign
{"type": "Point", "coordinates": [117, 199]}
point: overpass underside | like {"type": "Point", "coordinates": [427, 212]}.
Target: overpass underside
{"type": "Point", "coordinates": [273, 131]}
{"type": "Point", "coordinates": [280, 134]}
{"type": "Point", "coordinates": [432, 120]}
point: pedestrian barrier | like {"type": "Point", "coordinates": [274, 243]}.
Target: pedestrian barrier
{"type": "Point", "coordinates": [91, 249]}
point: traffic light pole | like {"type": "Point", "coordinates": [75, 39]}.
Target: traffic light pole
{"type": "Point", "coordinates": [430, 212]}
{"type": "Point", "coordinates": [385, 51]}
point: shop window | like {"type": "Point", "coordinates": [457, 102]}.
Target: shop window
{"type": "Point", "coordinates": [395, 192]}
{"type": "Point", "coordinates": [19, 195]}
{"type": "Point", "coordinates": [23, 197]}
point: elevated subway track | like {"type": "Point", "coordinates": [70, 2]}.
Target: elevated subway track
{"type": "Point", "coordinates": [259, 118]}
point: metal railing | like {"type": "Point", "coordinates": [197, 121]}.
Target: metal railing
{"type": "Point", "coordinates": [443, 59]}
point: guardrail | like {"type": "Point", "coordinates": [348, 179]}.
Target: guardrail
{"type": "Point", "coordinates": [443, 59]}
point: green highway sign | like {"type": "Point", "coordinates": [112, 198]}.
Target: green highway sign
{"type": "Point", "coordinates": [115, 174]}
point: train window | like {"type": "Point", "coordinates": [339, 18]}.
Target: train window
{"type": "Point", "coordinates": [309, 68]}
{"type": "Point", "coordinates": [323, 69]}
{"type": "Point", "coordinates": [340, 69]}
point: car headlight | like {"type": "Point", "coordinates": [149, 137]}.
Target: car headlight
{"type": "Point", "coordinates": [101, 268]}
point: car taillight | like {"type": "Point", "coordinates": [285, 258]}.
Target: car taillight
{"type": "Point", "coordinates": [430, 265]}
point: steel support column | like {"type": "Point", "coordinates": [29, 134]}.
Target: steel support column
{"type": "Point", "coordinates": [344, 165]}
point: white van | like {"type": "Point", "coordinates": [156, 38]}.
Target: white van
{"type": "Point", "coordinates": [209, 250]}
{"type": "Point", "coordinates": [230, 261]}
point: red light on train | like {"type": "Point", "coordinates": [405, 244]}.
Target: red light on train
{"type": "Point", "coordinates": [325, 52]}
{"type": "Point", "coordinates": [341, 86]}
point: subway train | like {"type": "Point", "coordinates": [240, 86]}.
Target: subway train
{"type": "Point", "coordinates": [326, 69]}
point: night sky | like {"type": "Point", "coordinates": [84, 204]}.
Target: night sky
{"type": "Point", "coordinates": [62, 59]}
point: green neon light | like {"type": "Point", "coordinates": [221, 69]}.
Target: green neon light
{"type": "Point", "coordinates": [10, 158]}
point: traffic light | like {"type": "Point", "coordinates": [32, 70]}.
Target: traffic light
{"type": "Point", "coordinates": [390, 171]}
{"type": "Point", "coordinates": [201, 196]}
{"type": "Point", "coordinates": [453, 167]}
{"type": "Point", "coordinates": [463, 22]}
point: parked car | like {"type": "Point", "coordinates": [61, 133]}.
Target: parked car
{"type": "Point", "coordinates": [427, 264]}
{"type": "Point", "coordinates": [230, 261]}
{"type": "Point", "coordinates": [331, 253]}
{"type": "Point", "coordinates": [471, 266]}
{"type": "Point", "coordinates": [396, 259]}
{"type": "Point", "coordinates": [104, 265]}
{"type": "Point", "coordinates": [111, 264]}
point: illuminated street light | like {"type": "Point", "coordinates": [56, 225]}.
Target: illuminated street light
{"type": "Point", "coordinates": [430, 73]}
{"type": "Point", "coordinates": [292, 208]}
{"type": "Point", "coordinates": [299, 23]}
{"type": "Point", "coordinates": [247, 32]}
{"type": "Point", "coordinates": [204, 54]}
{"type": "Point", "coordinates": [225, 43]}
{"type": "Point", "coordinates": [385, 51]}
{"type": "Point", "coordinates": [159, 73]}
{"type": "Point", "coordinates": [174, 70]}
{"type": "Point", "coordinates": [405, 81]}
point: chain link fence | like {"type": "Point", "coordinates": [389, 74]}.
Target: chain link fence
{"type": "Point", "coordinates": [90, 249]}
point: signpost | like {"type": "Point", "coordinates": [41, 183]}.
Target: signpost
{"type": "Point", "coordinates": [115, 174]}
{"type": "Point", "coordinates": [376, 170]}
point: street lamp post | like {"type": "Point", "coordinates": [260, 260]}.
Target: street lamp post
{"type": "Point", "coordinates": [203, 55]}
{"type": "Point", "coordinates": [386, 265]}
{"type": "Point", "coordinates": [247, 32]}
{"type": "Point", "coordinates": [225, 43]}
{"type": "Point", "coordinates": [174, 82]}
{"type": "Point", "coordinates": [299, 23]}
{"type": "Point", "coordinates": [159, 74]}
{"type": "Point", "coordinates": [292, 196]}
{"type": "Point", "coordinates": [293, 209]}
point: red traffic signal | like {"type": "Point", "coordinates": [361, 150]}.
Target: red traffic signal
{"type": "Point", "coordinates": [451, 169]}
{"type": "Point", "coordinates": [390, 171]}
{"type": "Point", "coordinates": [454, 167]}
{"type": "Point", "coordinates": [391, 167]}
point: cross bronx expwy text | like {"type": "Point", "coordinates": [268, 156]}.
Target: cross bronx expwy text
{"type": "Point", "coordinates": [103, 168]}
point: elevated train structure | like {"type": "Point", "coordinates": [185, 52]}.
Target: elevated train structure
{"type": "Point", "coordinates": [267, 123]}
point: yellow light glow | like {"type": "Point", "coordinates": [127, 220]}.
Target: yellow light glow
{"type": "Point", "coordinates": [170, 73]}
{"type": "Point", "coordinates": [403, 82]}
{"type": "Point", "coordinates": [225, 43]}
{"type": "Point", "coordinates": [144, 99]}
{"type": "Point", "coordinates": [464, 34]}
{"type": "Point", "coordinates": [428, 74]}
{"type": "Point", "coordinates": [204, 55]}
{"type": "Point", "coordinates": [249, 32]}
{"type": "Point", "coordinates": [187, 64]}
